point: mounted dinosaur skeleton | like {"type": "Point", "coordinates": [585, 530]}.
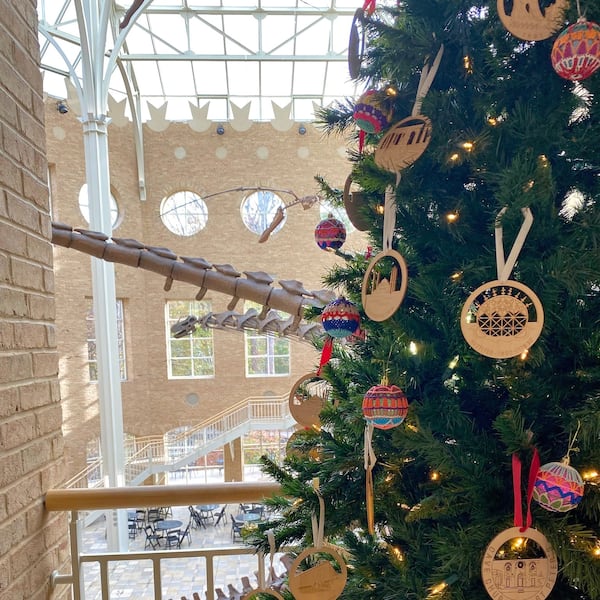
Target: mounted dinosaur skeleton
{"type": "Point", "coordinates": [256, 286]}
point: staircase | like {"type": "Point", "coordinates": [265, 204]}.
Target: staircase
{"type": "Point", "coordinates": [153, 454]}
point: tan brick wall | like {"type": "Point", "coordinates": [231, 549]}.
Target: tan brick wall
{"type": "Point", "coordinates": [33, 543]}
{"type": "Point", "coordinates": [152, 404]}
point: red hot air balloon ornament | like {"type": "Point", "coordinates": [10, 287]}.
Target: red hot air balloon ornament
{"type": "Point", "coordinates": [340, 319]}
{"type": "Point", "coordinates": [576, 51]}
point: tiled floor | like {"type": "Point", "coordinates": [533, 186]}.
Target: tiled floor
{"type": "Point", "coordinates": [180, 577]}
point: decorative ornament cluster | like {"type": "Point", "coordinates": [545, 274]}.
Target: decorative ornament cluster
{"type": "Point", "coordinates": [576, 50]}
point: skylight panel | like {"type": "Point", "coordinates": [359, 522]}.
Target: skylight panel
{"type": "Point", "coordinates": [206, 35]}
{"type": "Point", "coordinates": [211, 77]}
{"type": "Point", "coordinates": [308, 78]}
{"type": "Point", "coordinates": [276, 78]}
{"type": "Point", "coordinates": [243, 78]}
{"type": "Point", "coordinates": [169, 35]}
{"type": "Point", "coordinates": [241, 34]}
{"type": "Point", "coordinates": [177, 78]}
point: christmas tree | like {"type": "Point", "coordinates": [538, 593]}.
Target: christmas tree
{"type": "Point", "coordinates": [509, 138]}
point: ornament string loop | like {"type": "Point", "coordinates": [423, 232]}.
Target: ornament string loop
{"type": "Point", "coordinates": [389, 214]}
{"type": "Point", "coordinates": [518, 504]}
{"type": "Point", "coordinates": [370, 460]}
{"type": "Point", "coordinates": [572, 439]}
{"type": "Point", "coordinates": [318, 525]}
{"type": "Point", "coordinates": [261, 572]}
{"type": "Point", "coordinates": [505, 267]}
{"type": "Point", "coordinates": [427, 76]}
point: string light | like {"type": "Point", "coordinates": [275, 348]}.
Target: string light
{"type": "Point", "coordinates": [412, 348]}
{"type": "Point", "coordinates": [518, 544]}
{"type": "Point", "coordinates": [380, 209]}
{"type": "Point", "coordinates": [492, 121]}
{"type": "Point", "coordinates": [590, 474]}
{"type": "Point", "coordinates": [456, 276]}
{"type": "Point", "coordinates": [468, 64]}
{"type": "Point", "coordinates": [524, 354]}
{"type": "Point", "coordinates": [452, 364]}
{"type": "Point", "coordinates": [434, 476]}
{"type": "Point", "coordinates": [468, 146]}
{"type": "Point", "coordinates": [454, 157]}
{"type": "Point", "coordinates": [451, 217]}
{"type": "Point", "coordinates": [544, 160]}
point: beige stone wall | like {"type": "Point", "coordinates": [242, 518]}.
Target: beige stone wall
{"type": "Point", "coordinates": [32, 542]}
{"type": "Point", "coordinates": [175, 159]}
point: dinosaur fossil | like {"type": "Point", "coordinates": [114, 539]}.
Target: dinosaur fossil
{"type": "Point", "coordinates": [290, 297]}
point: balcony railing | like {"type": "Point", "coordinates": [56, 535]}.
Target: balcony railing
{"type": "Point", "coordinates": [152, 454]}
{"type": "Point", "coordinates": [76, 500]}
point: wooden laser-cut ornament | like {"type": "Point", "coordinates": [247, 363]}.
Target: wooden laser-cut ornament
{"type": "Point", "coordinates": [527, 21]}
{"type": "Point", "coordinates": [404, 143]}
{"type": "Point", "coordinates": [503, 318]}
{"type": "Point", "coordinates": [356, 206]}
{"type": "Point", "coordinates": [519, 578]}
{"type": "Point", "coordinates": [382, 294]}
{"type": "Point", "coordinates": [320, 581]}
{"type": "Point", "coordinates": [356, 43]}
{"type": "Point", "coordinates": [307, 398]}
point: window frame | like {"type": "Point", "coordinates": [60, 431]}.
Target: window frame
{"type": "Point", "coordinates": [270, 339]}
{"type": "Point", "coordinates": [195, 307]}
{"type": "Point", "coordinates": [90, 320]}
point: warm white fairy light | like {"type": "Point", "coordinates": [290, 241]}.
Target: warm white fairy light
{"type": "Point", "coordinates": [452, 217]}
{"type": "Point", "coordinates": [468, 146]}
{"type": "Point", "coordinates": [452, 364]}
{"type": "Point", "coordinates": [412, 348]}
{"type": "Point", "coordinates": [454, 157]}
{"type": "Point", "coordinates": [524, 354]}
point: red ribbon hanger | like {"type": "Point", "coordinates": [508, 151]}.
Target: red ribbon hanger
{"type": "Point", "coordinates": [518, 503]}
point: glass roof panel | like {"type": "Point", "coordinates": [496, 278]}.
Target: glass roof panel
{"type": "Point", "coordinates": [181, 51]}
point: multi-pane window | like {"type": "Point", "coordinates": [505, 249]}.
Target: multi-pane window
{"type": "Point", "coordinates": [192, 355]}
{"type": "Point", "coordinates": [267, 354]}
{"type": "Point", "coordinates": [91, 342]}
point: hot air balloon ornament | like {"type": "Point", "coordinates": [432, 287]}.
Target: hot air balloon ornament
{"type": "Point", "coordinates": [384, 407]}
{"type": "Point", "coordinates": [576, 51]}
{"type": "Point", "coordinates": [340, 319]}
{"type": "Point", "coordinates": [558, 486]}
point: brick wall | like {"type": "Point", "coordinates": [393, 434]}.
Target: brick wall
{"type": "Point", "coordinates": [32, 542]}
{"type": "Point", "coordinates": [181, 159]}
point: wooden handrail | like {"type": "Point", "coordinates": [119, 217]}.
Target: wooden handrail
{"type": "Point", "coordinates": [157, 495]}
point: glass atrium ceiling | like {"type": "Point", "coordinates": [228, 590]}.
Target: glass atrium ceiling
{"type": "Point", "coordinates": [249, 53]}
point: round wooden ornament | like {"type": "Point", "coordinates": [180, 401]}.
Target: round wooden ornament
{"type": "Point", "coordinates": [502, 319]}
{"type": "Point", "coordinates": [528, 21]}
{"type": "Point", "coordinates": [321, 581]}
{"type": "Point", "coordinates": [384, 285]}
{"type": "Point", "coordinates": [356, 206]}
{"type": "Point", "coordinates": [307, 398]}
{"type": "Point", "coordinates": [356, 43]}
{"type": "Point", "coordinates": [402, 145]}
{"type": "Point", "coordinates": [519, 578]}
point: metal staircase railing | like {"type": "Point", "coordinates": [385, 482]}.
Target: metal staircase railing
{"type": "Point", "coordinates": [154, 454]}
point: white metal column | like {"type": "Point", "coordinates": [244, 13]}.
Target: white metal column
{"type": "Point", "coordinates": [93, 18]}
